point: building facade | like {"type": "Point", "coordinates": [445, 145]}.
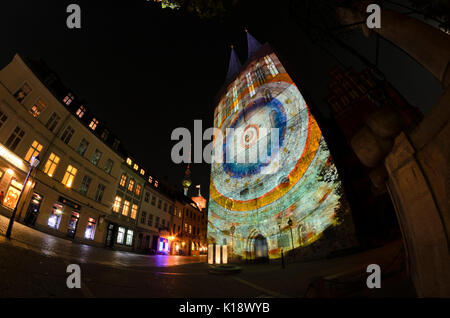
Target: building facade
{"type": "Point", "coordinates": [71, 190]}
{"type": "Point", "coordinates": [290, 194]}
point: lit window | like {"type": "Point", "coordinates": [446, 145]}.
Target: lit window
{"type": "Point", "coordinates": [142, 172]}
{"type": "Point", "coordinates": [53, 122]}
{"type": "Point", "coordinates": [120, 235]}
{"type": "Point", "coordinates": [126, 207]}
{"type": "Point", "coordinates": [109, 165]}
{"type": "Point", "coordinates": [96, 157]}
{"type": "Point", "coordinates": [67, 134]}
{"type": "Point", "coordinates": [99, 193]}
{"type": "Point", "coordinates": [69, 176]}
{"type": "Point", "coordinates": [129, 241]}
{"type": "Point", "coordinates": [123, 180]}
{"type": "Point", "coordinates": [271, 65]}
{"type": "Point", "coordinates": [80, 112]}
{"type": "Point", "coordinates": [250, 86]}
{"type": "Point", "coordinates": [34, 150]}
{"type": "Point", "coordinates": [93, 124]}
{"type": "Point", "coordinates": [51, 164]}
{"type": "Point", "coordinates": [37, 108]}
{"type": "Point", "coordinates": [23, 92]}
{"type": "Point", "coordinates": [135, 167]}
{"type": "Point", "coordinates": [134, 209]}
{"type": "Point", "coordinates": [129, 161]}
{"type": "Point", "coordinates": [82, 147]}
{"type": "Point", "coordinates": [15, 138]}
{"type": "Point", "coordinates": [131, 185]}
{"type": "Point", "coordinates": [190, 229]}
{"type": "Point", "coordinates": [116, 205]}
{"type": "Point", "coordinates": [156, 184]}
{"type": "Point", "coordinates": [138, 189]}
{"type": "Point", "coordinates": [150, 179]}
{"type": "Point", "coordinates": [68, 99]}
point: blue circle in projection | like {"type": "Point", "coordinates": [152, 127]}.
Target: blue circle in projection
{"type": "Point", "coordinates": [275, 118]}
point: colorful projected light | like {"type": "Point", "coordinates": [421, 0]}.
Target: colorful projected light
{"type": "Point", "coordinates": [299, 180]}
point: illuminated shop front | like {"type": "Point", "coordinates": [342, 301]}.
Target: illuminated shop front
{"type": "Point", "coordinates": [55, 216]}
{"type": "Point", "coordinates": [89, 234]}
{"type": "Point", "coordinates": [290, 194]}
{"type": "Point", "coordinates": [12, 174]}
{"type": "Point", "coordinates": [163, 246]}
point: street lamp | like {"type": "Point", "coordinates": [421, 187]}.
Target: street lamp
{"type": "Point", "coordinates": [290, 223]}
{"type": "Point", "coordinates": [33, 164]}
{"type": "Point", "coordinates": [279, 220]}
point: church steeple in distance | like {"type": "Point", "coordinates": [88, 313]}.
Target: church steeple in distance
{"type": "Point", "coordinates": [186, 183]}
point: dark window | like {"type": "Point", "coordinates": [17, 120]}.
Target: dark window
{"type": "Point", "coordinates": [99, 193]}
{"type": "Point", "coordinates": [109, 165]}
{"type": "Point", "coordinates": [85, 185]}
{"type": "Point", "coordinates": [150, 220]}
{"type": "Point", "coordinates": [143, 217]}
{"type": "Point", "coordinates": [3, 118]}
{"type": "Point", "coordinates": [52, 122]}
{"type": "Point", "coordinates": [159, 204]}
{"type": "Point", "coordinates": [147, 197]}
{"type": "Point", "coordinates": [15, 138]}
{"type": "Point", "coordinates": [67, 134]}
{"type": "Point", "coordinates": [153, 200]}
{"type": "Point", "coordinates": [96, 157]}
{"type": "Point", "coordinates": [82, 147]}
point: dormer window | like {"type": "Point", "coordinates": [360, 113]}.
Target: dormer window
{"type": "Point", "coordinates": [93, 124]}
{"type": "Point", "coordinates": [129, 161]}
{"type": "Point", "coordinates": [150, 179]}
{"type": "Point", "coordinates": [80, 112]}
{"type": "Point", "coordinates": [156, 184]}
{"type": "Point", "coordinates": [116, 144]}
{"type": "Point", "coordinates": [68, 99]}
{"type": "Point", "coordinates": [105, 134]}
{"type": "Point", "coordinates": [136, 167]}
{"type": "Point", "coordinates": [142, 172]}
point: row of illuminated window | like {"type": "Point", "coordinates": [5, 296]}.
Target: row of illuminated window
{"type": "Point", "coordinates": [124, 207]}
{"type": "Point", "coordinates": [132, 186]}
{"type": "Point", "coordinates": [18, 134]}
{"type": "Point", "coordinates": [188, 228]}
{"type": "Point", "coordinates": [54, 221]}
{"type": "Point", "coordinates": [141, 171]}
{"type": "Point", "coordinates": [54, 119]}
{"type": "Point", "coordinates": [52, 163]}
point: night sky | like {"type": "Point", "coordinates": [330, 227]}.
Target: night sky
{"type": "Point", "coordinates": [146, 71]}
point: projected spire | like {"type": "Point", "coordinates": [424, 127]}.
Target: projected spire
{"type": "Point", "coordinates": [253, 44]}
{"type": "Point", "coordinates": [234, 65]}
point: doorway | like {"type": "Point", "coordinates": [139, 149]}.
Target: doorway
{"type": "Point", "coordinates": [261, 248]}
{"type": "Point", "coordinates": [33, 209]}
{"type": "Point", "coordinates": [73, 224]}
{"type": "Point", "coordinates": [110, 235]}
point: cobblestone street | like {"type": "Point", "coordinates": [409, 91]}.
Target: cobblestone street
{"type": "Point", "coordinates": [33, 264]}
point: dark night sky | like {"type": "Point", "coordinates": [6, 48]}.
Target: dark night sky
{"type": "Point", "coordinates": [146, 71]}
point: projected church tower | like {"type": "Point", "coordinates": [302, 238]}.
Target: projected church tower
{"type": "Point", "coordinates": [291, 194]}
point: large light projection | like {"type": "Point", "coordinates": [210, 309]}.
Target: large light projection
{"type": "Point", "coordinates": [251, 203]}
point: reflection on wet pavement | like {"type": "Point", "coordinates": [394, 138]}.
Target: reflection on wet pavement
{"type": "Point", "coordinates": [52, 246]}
